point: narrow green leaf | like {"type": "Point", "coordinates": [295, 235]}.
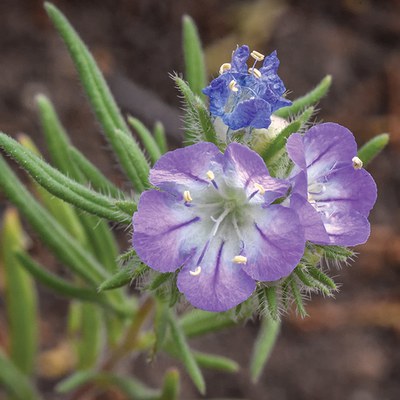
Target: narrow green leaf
{"type": "Point", "coordinates": [318, 275]}
{"type": "Point", "coordinates": [132, 269]}
{"type": "Point", "coordinates": [337, 252]}
{"type": "Point", "coordinates": [309, 281]}
{"type": "Point", "coordinates": [311, 98]}
{"type": "Point", "coordinates": [75, 380]}
{"type": "Point", "coordinates": [193, 55]}
{"type": "Point", "coordinates": [272, 301]}
{"type": "Point", "coordinates": [121, 278]}
{"type": "Point", "coordinates": [159, 280]}
{"type": "Point", "coordinates": [185, 353]}
{"type": "Point", "coordinates": [147, 139]}
{"type": "Point", "coordinates": [96, 89]}
{"type": "Point", "coordinates": [56, 138]}
{"type": "Point", "coordinates": [198, 323]}
{"type": "Point", "coordinates": [67, 249]}
{"type": "Point", "coordinates": [14, 381]}
{"type": "Point", "coordinates": [137, 159]}
{"type": "Point", "coordinates": [219, 363]}
{"type": "Point", "coordinates": [60, 185]}
{"type": "Point", "coordinates": [298, 300]}
{"type": "Point", "coordinates": [263, 346]}
{"type": "Point", "coordinates": [372, 148]}
{"type": "Point", "coordinates": [21, 297]}
{"type": "Point", "coordinates": [62, 287]}
{"type": "Point", "coordinates": [93, 175]}
{"type": "Point", "coordinates": [90, 336]}
{"type": "Point", "coordinates": [199, 125]}
{"type": "Point", "coordinates": [170, 388]}
{"type": "Point", "coordinates": [160, 325]}
{"type": "Point", "coordinates": [272, 151]}
{"type": "Point", "coordinates": [160, 137]}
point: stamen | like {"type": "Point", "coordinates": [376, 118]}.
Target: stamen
{"type": "Point", "coordinates": [196, 272]}
{"type": "Point", "coordinates": [257, 56]}
{"type": "Point", "coordinates": [224, 67]}
{"type": "Point", "coordinates": [239, 260]}
{"type": "Point", "coordinates": [255, 72]}
{"type": "Point", "coordinates": [210, 175]}
{"type": "Point", "coordinates": [357, 163]}
{"type": "Point", "coordinates": [232, 86]}
{"type": "Point", "coordinates": [260, 188]}
{"type": "Point", "coordinates": [186, 196]}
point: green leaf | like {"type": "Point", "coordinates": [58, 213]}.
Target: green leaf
{"type": "Point", "coordinates": [372, 148]}
{"type": "Point", "coordinates": [185, 353]}
{"type": "Point", "coordinates": [272, 152]}
{"type": "Point", "coordinates": [160, 137]}
{"type": "Point", "coordinates": [336, 253]}
{"type": "Point", "coordinates": [14, 381]}
{"type": "Point", "coordinates": [133, 269]}
{"type": "Point", "coordinates": [198, 323]}
{"type": "Point", "coordinates": [297, 297]}
{"type": "Point", "coordinates": [263, 346]}
{"type": "Point", "coordinates": [311, 98]}
{"type": "Point", "coordinates": [89, 343]}
{"type": "Point", "coordinates": [56, 138]}
{"type": "Point", "coordinates": [62, 287]}
{"type": "Point", "coordinates": [193, 56]}
{"type": "Point", "coordinates": [66, 248]}
{"type": "Point", "coordinates": [60, 185]}
{"type": "Point", "coordinates": [96, 89]}
{"type": "Point", "coordinates": [93, 175]}
{"type": "Point", "coordinates": [319, 276]}
{"type": "Point", "coordinates": [170, 388]}
{"type": "Point", "coordinates": [147, 139]}
{"type": "Point", "coordinates": [219, 363]}
{"type": "Point", "coordinates": [199, 126]}
{"type": "Point", "coordinates": [21, 298]}
{"type": "Point", "coordinates": [269, 300]}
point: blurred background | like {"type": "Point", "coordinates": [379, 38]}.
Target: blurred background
{"type": "Point", "coordinates": [348, 348]}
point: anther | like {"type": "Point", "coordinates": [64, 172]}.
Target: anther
{"type": "Point", "coordinates": [257, 56]}
{"type": "Point", "coordinates": [255, 72]}
{"type": "Point", "coordinates": [239, 260]}
{"type": "Point", "coordinates": [186, 196]}
{"type": "Point", "coordinates": [196, 272]}
{"type": "Point", "coordinates": [260, 188]}
{"type": "Point", "coordinates": [232, 86]}
{"type": "Point", "coordinates": [224, 67]}
{"type": "Point", "coordinates": [357, 163]}
{"type": "Point", "coordinates": [210, 175]}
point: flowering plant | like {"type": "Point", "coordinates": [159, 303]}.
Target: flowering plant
{"type": "Point", "coordinates": [240, 221]}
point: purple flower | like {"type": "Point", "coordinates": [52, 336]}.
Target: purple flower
{"type": "Point", "coordinates": [332, 194]}
{"type": "Point", "coordinates": [214, 218]}
{"type": "Point", "coordinates": [246, 97]}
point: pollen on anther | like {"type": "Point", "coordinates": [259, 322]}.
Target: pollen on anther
{"type": "Point", "coordinates": [257, 56]}
{"type": "Point", "coordinates": [210, 175]}
{"type": "Point", "coordinates": [239, 260]}
{"type": "Point", "coordinates": [255, 72]}
{"type": "Point", "coordinates": [224, 67]}
{"type": "Point", "coordinates": [186, 196]}
{"type": "Point", "coordinates": [232, 86]}
{"type": "Point", "coordinates": [357, 163]}
{"type": "Point", "coordinates": [196, 271]}
{"type": "Point", "coordinates": [260, 188]}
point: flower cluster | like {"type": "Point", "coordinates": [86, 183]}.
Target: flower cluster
{"type": "Point", "coordinates": [224, 223]}
{"type": "Point", "coordinates": [246, 97]}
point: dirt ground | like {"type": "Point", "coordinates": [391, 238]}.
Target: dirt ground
{"type": "Point", "coordinates": [348, 348]}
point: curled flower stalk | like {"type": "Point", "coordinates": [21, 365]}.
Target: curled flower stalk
{"type": "Point", "coordinates": [246, 97]}
{"type": "Point", "coordinates": [215, 220]}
